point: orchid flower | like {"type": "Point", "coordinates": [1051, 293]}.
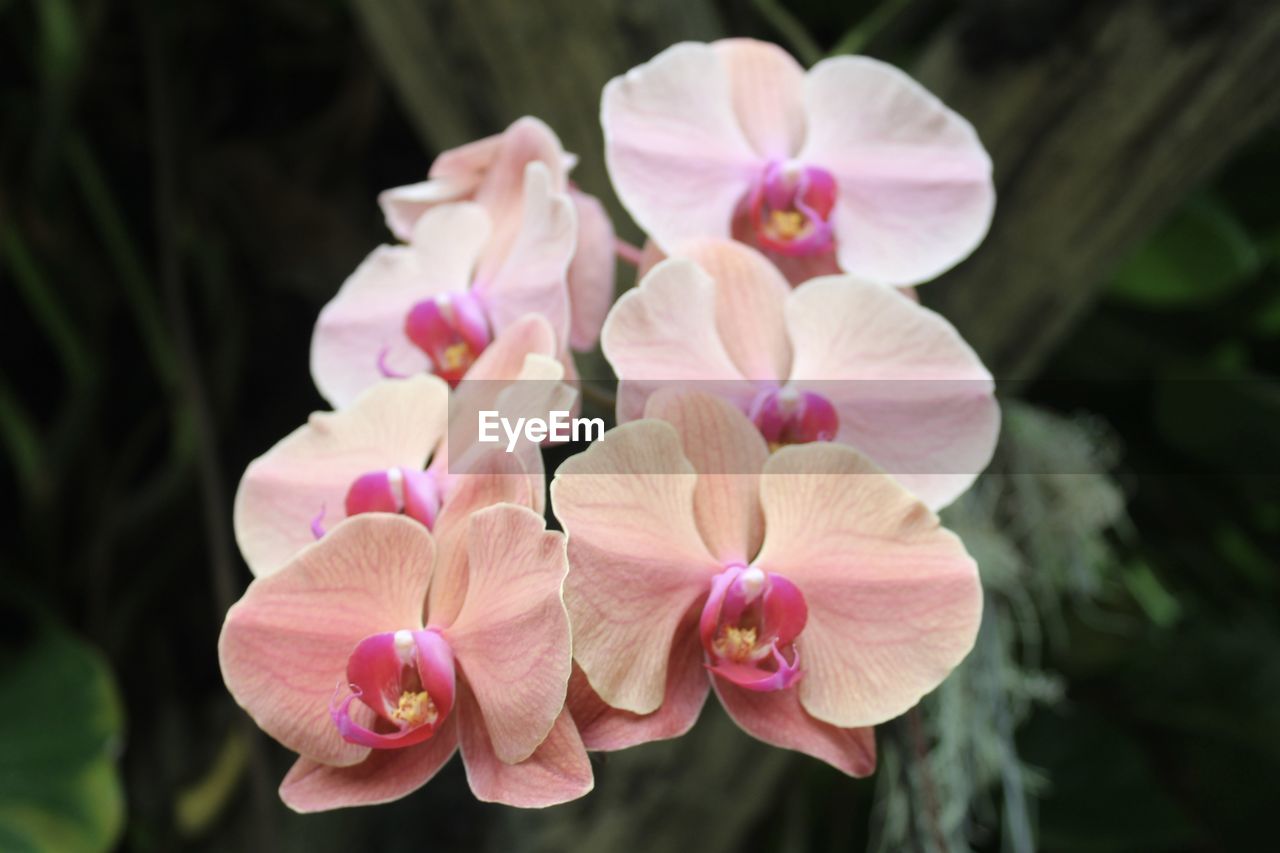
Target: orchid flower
{"type": "Point", "coordinates": [388, 452]}
{"type": "Point", "coordinates": [850, 167]}
{"type": "Point", "coordinates": [491, 171]}
{"type": "Point", "coordinates": [814, 594]}
{"type": "Point", "coordinates": [435, 304]}
{"type": "Point", "coordinates": [835, 359]}
{"type": "Point", "coordinates": [377, 652]}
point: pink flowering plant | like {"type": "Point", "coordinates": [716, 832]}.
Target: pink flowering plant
{"type": "Point", "coordinates": [760, 521]}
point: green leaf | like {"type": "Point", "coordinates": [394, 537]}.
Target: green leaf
{"type": "Point", "coordinates": [59, 785]}
{"type": "Point", "coordinates": [1199, 256]}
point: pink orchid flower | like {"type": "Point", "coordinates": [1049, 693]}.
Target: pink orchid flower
{"type": "Point", "coordinates": [852, 166]}
{"type": "Point", "coordinates": [835, 359]}
{"type": "Point", "coordinates": [490, 172]}
{"type": "Point", "coordinates": [377, 652]}
{"type": "Point", "coordinates": [388, 452]}
{"type": "Point", "coordinates": [817, 596]}
{"type": "Point", "coordinates": [435, 304]}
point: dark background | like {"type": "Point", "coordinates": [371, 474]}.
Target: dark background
{"type": "Point", "coordinates": [183, 185]}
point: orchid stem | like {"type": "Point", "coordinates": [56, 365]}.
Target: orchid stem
{"type": "Point", "coordinates": [626, 251]}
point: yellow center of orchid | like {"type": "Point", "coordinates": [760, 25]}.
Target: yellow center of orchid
{"type": "Point", "coordinates": [788, 224]}
{"type": "Point", "coordinates": [415, 708]}
{"type": "Point", "coordinates": [456, 356]}
{"type": "Point", "coordinates": [736, 643]}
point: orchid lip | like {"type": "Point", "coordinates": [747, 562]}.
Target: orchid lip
{"type": "Point", "coordinates": [409, 491]}
{"type": "Point", "coordinates": [407, 679]}
{"type": "Point", "coordinates": [451, 329]}
{"type": "Point", "coordinates": [748, 628]}
{"type": "Point", "coordinates": [789, 416]}
{"type": "Point", "coordinates": [790, 207]}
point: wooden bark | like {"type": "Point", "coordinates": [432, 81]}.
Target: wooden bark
{"type": "Point", "coordinates": [1095, 140]}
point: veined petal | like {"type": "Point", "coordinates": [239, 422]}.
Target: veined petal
{"type": "Point", "coordinates": [592, 271]}
{"type": "Point", "coordinates": [908, 391]}
{"type": "Point", "coordinates": [503, 187]}
{"type": "Point", "coordinates": [285, 644]}
{"type": "Point", "coordinates": [728, 453]}
{"type": "Point", "coordinates": [558, 770]}
{"type": "Point", "coordinates": [750, 295]}
{"type": "Point", "coordinates": [637, 561]}
{"type": "Point", "coordinates": [385, 775]}
{"type": "Point", "coordinates": [676, 154]}
{"type": "Point", "coordinates": [530, 276]}
{"type": "Point", "coordinates": [777, 718]}
{"type": "Point", "coordinates": [767, 87]}
{"type": "Point", "coordinates": [606, 728]}
{"type": "Point", "coordinates": [511, 637]}
{"type": "Point", "coordinates": [657, 335]}
{"type": "Point", "coordinates": [915, 194]}
{"type": "Point", "coordinates": [894, 600]}
{"type": "Point", "coordinates": [393, 424]}
{"type": "Point", "coordinates": [361, 330]}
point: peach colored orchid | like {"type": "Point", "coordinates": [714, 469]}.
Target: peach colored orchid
{"type": "Point", "coordinates": [431, 647]}
{"type": "Point", "coordinates": [819, 595]}
{"type": "Point", "coordinates": [490, 172]}
{"type": "Point", "coordinates": [852, 166]}
{"type": "Point", "coordinates": [835, 359]}
{"type": "Point", "coordinates": [388, 452]}
{"type": "Point", "coordinates": [435, 304]}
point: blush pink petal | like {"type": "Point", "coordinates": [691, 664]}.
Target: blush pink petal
{"type": "Point", "coordinates": [894, 600]}
{"type": "Point", "coordinates": [284, 645]}
{"type": "Point", "coordinates": [606, 728]}
{"type": "Point", "coordinates": [637, 561]}
{"type": "Point", "coordinates": [511, 637]}
{"type": "Point", "coordinates": [777, 718]}
{"type": "Point", "coordinates": [676, 153]}
{"type": "Point", "coordinates": [403, 206]}
{"type": "Point", "coordinates": [728, 452]}
{"type": "Point", "coordinates": [767, 88]}
{"type": "Point", "coordinates": [495, 478]}
{"type": "Point", "coordinates": [391, 425]}
{"type": "Point", "coordinates": [529, 277]}
{"type": "Point", "coordinates": [557, 772]}
{"type": "Point", "coordinates": [592, 272]}
{"type": "Point", "coordinates": [915, 194]}
{"type": "Point", "coordinates": [657, 335]}
{"type": "Point", "coordinates": [366, 319]}
{"type": "Point", "coordinates": [750, 295]}
{"type": "Point", "coordinates": [909, 392]}
{"type": "Point", "coordinates": [386, 775]}
{"type": "Point", "coordinates": [503, 188]}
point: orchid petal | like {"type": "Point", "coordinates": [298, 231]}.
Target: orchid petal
{"type": "Point", "coordinates": [657, 335]}
{"type": "Point", "coordinates": [385, 775]}
{"type": "Point", "coordinates": [909, 392]}
{"type": "Point", "coordinates": [637, 561]}
{"type": "Point", "coordinates": [503, 189]}
{"type": "Point", "coordinates": [558, 770]}
{"type": "Point", "coordinates": [394, 424]}
{"type": "Point", "coordinates": [914, 183]}
{"type": "Point", "coordinates": [728, 453]}
{"type": "Point", "coordinates": [511, 637]}
{"type": "Point", "coordinates": [777, 718]}
{"type": "Point", "coordinates": [750, 295]}
{"type": "Point", "coordinates": [767, 87]}
{"type": "Point", "coordinates": [894, 601]}
{"type": "Point", "coordinates": [591, 273]}
{"type": "Point", "coordinates": [284, 646]}
{"type": "Point", "coordinates": [676, 154]}
{"type": "Point", "coordinates": [606, 728]}
{"type": "Point", "coordinates": [530, 276]}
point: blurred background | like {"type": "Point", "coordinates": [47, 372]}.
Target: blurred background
{"type": "Point", "coordinates": [183, 185]}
